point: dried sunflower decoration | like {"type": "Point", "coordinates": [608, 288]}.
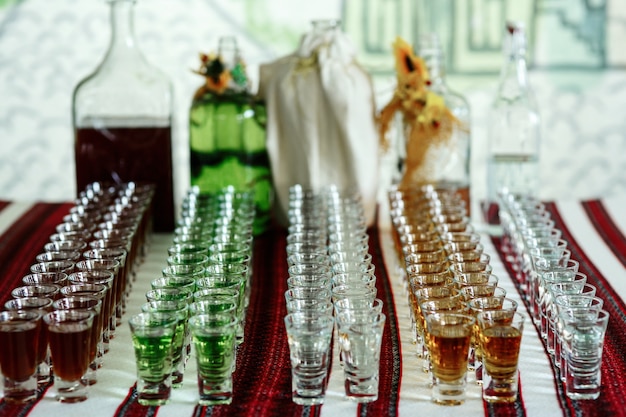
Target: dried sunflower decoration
{"type": "Point", "coordinates": [218, 76]}
{"type": "Point", "coordinates": [426, 120]}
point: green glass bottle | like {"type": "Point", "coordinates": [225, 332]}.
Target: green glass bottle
{"type": "Point", "coordinates": [227, 132]}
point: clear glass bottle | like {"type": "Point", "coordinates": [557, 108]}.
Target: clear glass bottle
{"type": "Point", "coordinates": [449, 161]}
{"type": "Point", "coordinates": [514, 135]}
{"type": "Point", "coordinates": [227, 138]}
{"type": "Point", "coordinates": [122, 118]}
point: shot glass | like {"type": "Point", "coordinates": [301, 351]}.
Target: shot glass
{"type": "Point", "coordinates": [448, 339]}
{"type": "Point", "coordinates": [413, 257]}
{"type": "Point", "coordinates": [360, 336]}
{"type": "Point", "coordinates": [354, 278]}
{"type": "Point", "coordinates": [460, 241]}
{"type": "Point", "coordinates": [482, 290]}
{"type": "Point", "coordinates": [192, 271]}
{"type": "Point", "coordinates": [476, 306]}
{"type": "Point", "coordinates": [209, 293]}
{"type": "Point", "coordinates": [343, 291]}
{"type": "Point", "coordinates": [37, 290]}
{"type": "Point", "coordinates": [83, 236]}
{"type": "Point", "coordinates": [574, 305]}
{"type": "Point", "coordinates": [543, 267]}
{"type": "Point", "coordinates": [94, 305]}
{"type": "Point", "coordinates": [228, 272]}
{"type": "Point", "coordinates": [419, 280]}
{"type": "Point", "coordinates": [187, 247]}
{"type": "Point", "coordinates": [500, 341]}
{"type": "Point", "coordinates": [419, 242]}
{"type": "Point", "coordinates": [459, 269]}
{"type": "Point", "coordinates": [309, 347]}
{"type": "Point", "coordinates": [65, 245]}
{"type": "Point", "coordinates": [583, 342]}
{"type": "Point", "coordinates": [90, 283]}
{"type": "Point", "coordinates": [180, 340]}
{"type": "Point", "coordinates": [153, 335]}
{"type": "Point", "coordinates": [217, 304]}
{"type": "Point", "coordinates": [546, 297]}
{"type": "Point", "coordinates": [307, 293]}
{"type": "Point", "coordinates": [471, 255]}
{"type": "Point", "coordinates": [57, 256]}
{"type": "Point", "coordinates": [426, 268]}
{"type": "Point", "coordinates": [307, 236]}
{"type": "Point", "coordinates": [549, 310]}
{"type": "Point", "coordinates": [104, 258]}
{"type": "Point", "coordinates": [43, 306]}
{"type": "Point", "coordinates": [234, 250]}
{"type": "Point", "coordinates": [192, 259]}
{"type": "Point", "coordinates": [113, 266]}
{"type": "Point", "coordinates": [475, 278]}
{"type": "Point", "coordinates": [169, 294]}
{"type": "Point", "coordinates": [69, 336]}
{"type": "Point", "coordinates": [313, 281]}
{"type": "Point", "coordinates": [347, 310]}
{"type": "Point", "coordinates": [480, 304]}
{"type": "Point", "coordinates": [183, 283]}
{"type": "Point", "coordinates": [310, 269]}
{"type": "Point", "coordinates": [214, 337]}
{"type": "Point", "coordinates": [226, 281]}
{"type": "Point", "coordinates": [422, 293]}
{"type": "Point", "coordinates": [351, 266]}
{"type": "Point", "coordinates": [310, 306]}
{"type": "Point", "coordinates": [64, 266]}
{"type": "Point", "coordinates": [307, 258]}
{"type": "Point", "coordinates": [19, 339]}
{"type": "Point", "coordinates": [56, 278]}
{"type": "Point", "coordinates": [348, 307]}
{"type": "Point", "coordinates": [349, 256]}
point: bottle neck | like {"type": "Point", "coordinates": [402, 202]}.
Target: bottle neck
{"type": "Point", "coordinates": [514, 70]}
{"type": "Point", "coordinates": [436, 70]}
{"type": "Point", "coordinates": [430, 51]}
{"type": "Point", "coordinates": [122, 42]}
{"type": "Point", "coordinates": [228, 51]}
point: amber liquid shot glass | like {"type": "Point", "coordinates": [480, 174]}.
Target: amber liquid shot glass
{"type": "Point", "coordinates": [19, 338]}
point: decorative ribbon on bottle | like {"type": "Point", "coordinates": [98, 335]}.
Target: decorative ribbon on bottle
{"type": "Point", "coordinates": [426, 120]}
{"type": "Point", "coordinates": [218, 76]}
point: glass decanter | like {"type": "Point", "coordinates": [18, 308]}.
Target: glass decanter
{"type": "Point", "coordinates": [122, 119]}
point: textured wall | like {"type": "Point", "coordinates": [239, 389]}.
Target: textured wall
{"type": "Point", "coordinates": [46, 47]}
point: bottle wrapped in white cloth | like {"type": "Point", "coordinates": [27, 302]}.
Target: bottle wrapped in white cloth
{"type": "Point", "coordinates": [321, 127]}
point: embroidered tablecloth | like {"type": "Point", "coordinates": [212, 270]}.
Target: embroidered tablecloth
{"type": "Point", "coordinates": [595, 230]}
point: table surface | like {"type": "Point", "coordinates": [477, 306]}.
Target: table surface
{"type": "Point", "coordinates": [595, 231]}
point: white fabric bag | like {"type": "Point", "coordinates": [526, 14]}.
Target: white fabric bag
{"type": "Point", "coordinates": [321, 127]}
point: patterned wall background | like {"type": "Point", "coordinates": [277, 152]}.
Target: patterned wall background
{"type": "Point", "coordinates": [576, 53]}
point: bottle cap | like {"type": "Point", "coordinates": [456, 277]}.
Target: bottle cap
{"type": "Point", "coordinates": [515, 38]}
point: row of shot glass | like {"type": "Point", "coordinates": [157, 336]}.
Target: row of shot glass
{"type": "Point", "coordinates": [563, 305]}
{"type": "Point", "coordinates": [59, 323]}
{"type": "Point", "coordinates": [459, 316]}
{"type": "Point", "coordinates": [198, 304]}
{"type": "Point", "coordinates": [331, 287]}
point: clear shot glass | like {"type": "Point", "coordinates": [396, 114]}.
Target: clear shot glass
{"type": "Point", "coordinates": [309, 347]}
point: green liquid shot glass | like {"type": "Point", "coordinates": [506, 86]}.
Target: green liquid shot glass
{"type": "Point", "coordinates": [152, 335]}
{"type": "Point", "coordinates": [214, 342]}
{"type": "Point", "coordinates": [180, 341]}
